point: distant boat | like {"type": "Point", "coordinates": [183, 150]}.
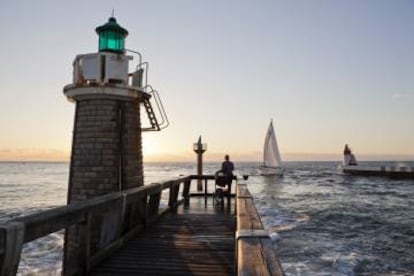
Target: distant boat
{"type": "Point", "coordinates": [349, 157]}
{"type": "Point", "coordinates": [272, 162]}
{"type": "Point", "coordinates": [350, 166]}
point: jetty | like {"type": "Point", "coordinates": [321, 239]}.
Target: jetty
{"type": "Point", "coordinates": [393, 172]}
{"type": "Point", "coordinates": [115, 224]}
{"type": "Point", "coordinates": [352, 167]}
{"type": "Point", "coordinates": [158, 229]}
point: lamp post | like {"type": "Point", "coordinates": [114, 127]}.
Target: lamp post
{"type": "Point", "coordinates": [199, 148]}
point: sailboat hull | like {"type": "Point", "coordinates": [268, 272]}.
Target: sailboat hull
{"type": "Point", "coordinates": [272, 170]}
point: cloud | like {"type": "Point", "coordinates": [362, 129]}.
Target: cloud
{"type": "Point", "coordinates": [398, 96]}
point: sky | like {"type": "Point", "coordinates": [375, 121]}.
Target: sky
{"type": "Point", "coordinates": [326, 72]}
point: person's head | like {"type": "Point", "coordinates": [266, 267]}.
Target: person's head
{"type": "Point", "coordinates": [227, 157]}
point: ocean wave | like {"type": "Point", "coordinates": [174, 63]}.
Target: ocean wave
{"type": "Point", "coordinates": [322, 222]}
{"type": "Point", "coordinates": [42, 256]}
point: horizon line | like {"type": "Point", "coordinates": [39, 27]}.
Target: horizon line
{"type": "Point", "coordinates": [208, 161]}
{"type": "Point", "coordinates": [21, 155]}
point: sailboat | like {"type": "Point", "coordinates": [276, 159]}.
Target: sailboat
{"type": "Point", "coordinates": [272, 162]}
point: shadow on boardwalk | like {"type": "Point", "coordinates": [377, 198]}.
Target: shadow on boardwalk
{"type": "Point", "coordinates": [194, 240]}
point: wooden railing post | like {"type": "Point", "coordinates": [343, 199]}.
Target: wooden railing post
{"type": "Point", "coordinates": [140, 211]}
{"type": "Point", "coordinates": [174, 188]}
{"type": "Point", "coordinates": [153, 203]}
{"type": "Point", "coordinates": [11, 243]}
{"type": "Point", "coordinates": [84, 245]}
{"type": "Point", "coordinates": [186, 191]}
{"type": "Point", "coordinates": [111, 219]}
{"type": "Point", "coordinates": [134, 208]}
{"type": "Point", "coordinates": [205, 191]}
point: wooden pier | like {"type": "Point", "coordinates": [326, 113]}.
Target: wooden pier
{"type": "Point", "coordinates": [191, 241]}
{"type": "Point", "coordinates": [393, 172]}
{"type": "Point", "coordinates": [190, 235]}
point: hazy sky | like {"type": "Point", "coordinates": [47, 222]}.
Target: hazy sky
{"type": "Point", "coordinates": [327, 72]}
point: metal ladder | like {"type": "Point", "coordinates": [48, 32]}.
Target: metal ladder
{"type": "Point", "coordinates": [156, 124]}
{"type": "Point", "coordinates": [139, 75]}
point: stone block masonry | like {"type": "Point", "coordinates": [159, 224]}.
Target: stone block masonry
{"type": "Point", "coordinates": [107, 148]}
{"type": "Point", "coordinates": [106, 157]}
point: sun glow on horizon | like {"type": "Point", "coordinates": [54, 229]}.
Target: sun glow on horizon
{"type": "Point", "coordinates": [152, 153]}
{"type": "Point", "coordinates": [34, 155]}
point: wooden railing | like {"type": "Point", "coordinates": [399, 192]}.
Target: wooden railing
{"type": "Point", "coordinates": [254, 248]}
{"type": "Point", "coordinates": [119, 222]}
{"type": "Point", "coordinates": [124, 214]}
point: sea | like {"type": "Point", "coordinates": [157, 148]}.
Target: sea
{"type": "Point", "coordinates": [321, 222]}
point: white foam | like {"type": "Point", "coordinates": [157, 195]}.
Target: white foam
{"type": "Point", "coordinates": [42, 256]}
{"type": "Point", "coordinates": [275, 237]}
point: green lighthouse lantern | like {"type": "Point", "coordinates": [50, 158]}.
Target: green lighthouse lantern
{"type": "Point", "coordinates": [111, 37]}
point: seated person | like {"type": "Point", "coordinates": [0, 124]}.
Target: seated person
{"type": "Point", "coordinates": [226, 178]}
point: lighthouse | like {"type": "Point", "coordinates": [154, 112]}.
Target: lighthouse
{"type": "Point", "coordinates": [106, 152]}
{"type": "Point", "coordinates": [199, 148]}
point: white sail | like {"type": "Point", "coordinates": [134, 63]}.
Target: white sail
{"type": "Point", "coordinates": [271, 155]}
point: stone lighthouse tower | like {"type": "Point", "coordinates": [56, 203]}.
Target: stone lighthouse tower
{"type": "Point", "coordinates": [106, 149]}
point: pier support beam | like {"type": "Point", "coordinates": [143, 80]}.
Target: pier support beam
{"type": "Point", "coordinates": [11, 243]}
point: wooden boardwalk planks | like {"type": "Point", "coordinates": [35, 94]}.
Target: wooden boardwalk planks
{"type": "Point", "coordinates": [197, 240]}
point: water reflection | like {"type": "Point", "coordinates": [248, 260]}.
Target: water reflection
{"type": "Point", "coordinates": [271, 180]}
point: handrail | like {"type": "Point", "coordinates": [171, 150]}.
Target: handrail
{"type": "Point", "coordinates": [25, 229]}
{"type": "Point", "coordinates": [160, 107]}
{"type": "Point", "coordinates": [255, 254]}
{"type": "Point", "coordinates": [146, 65]}
{"type": "Point", "coordinates": [206, 176]}
{"type": "Point", "coordinates": [161, 110]}
{"type": "Point", "coordinates": [138, 53]}
{"type": "Point", "coordinates": [254, 249]}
